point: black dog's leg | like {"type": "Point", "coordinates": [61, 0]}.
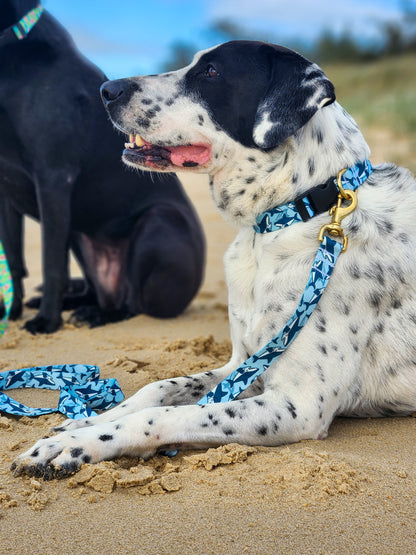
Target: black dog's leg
{"type": "Point", "coordinates": [161, 270]}
{"type": "Point", "coordinates": [78, 293]}
{"type": "Point", "coordinates": [11, 234]}
{"type": "Point", "coordinates": [166, 263]}
{"type": "Point", "coordinates": [54, 199]}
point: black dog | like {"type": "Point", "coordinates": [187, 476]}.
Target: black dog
{"type": "Point", "coordinates": [136, 236]}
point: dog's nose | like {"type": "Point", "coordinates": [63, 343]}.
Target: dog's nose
{"type": "Point", "coordinates": [111, 91]}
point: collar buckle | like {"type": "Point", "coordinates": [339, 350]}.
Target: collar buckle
{"type": "Point", "coordinates": [321, 198]}
{"type": "Point", "coordinates": [339, 212]}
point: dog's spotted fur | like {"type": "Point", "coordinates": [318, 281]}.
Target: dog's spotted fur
{"type": "Point", "coordinates": [270, 122]}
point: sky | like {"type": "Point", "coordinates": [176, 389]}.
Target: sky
{"type": "Point", "coordinates": [132, 37]}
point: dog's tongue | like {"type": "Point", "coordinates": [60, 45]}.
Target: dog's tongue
{"type": "Point", "coordinates": [189, 155]}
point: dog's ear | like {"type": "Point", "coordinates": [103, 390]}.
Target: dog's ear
{"type": "Point", "coordinates": [297, 90]}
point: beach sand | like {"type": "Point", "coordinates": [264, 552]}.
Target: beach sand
{"type": "Point", "coordinates": [354, 492]}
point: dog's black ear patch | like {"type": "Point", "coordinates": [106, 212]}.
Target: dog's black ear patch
{"type": "Point", "coordinates": [297, 90]}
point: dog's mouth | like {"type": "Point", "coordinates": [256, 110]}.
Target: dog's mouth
{"type": "Point", "coordinates": [140, 152]}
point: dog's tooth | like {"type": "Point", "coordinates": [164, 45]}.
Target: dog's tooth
{"type": "Point", "coordinates": [131, 138]}
{"type": "Point", "coordinates": [139, 141]}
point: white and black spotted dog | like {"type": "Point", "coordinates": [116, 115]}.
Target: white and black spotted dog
{"type": "Point", "coordinates": [262, 121]}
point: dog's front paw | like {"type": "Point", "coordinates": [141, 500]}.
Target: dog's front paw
{"type": "Point", "coordinates": [34, 302]}
{"type": "Point", "coordinates": [40, 324]}
{"type": "Point", "coordinates": [94, 316]}
{"type": "Point", "coordinates": [36, 460]}
{"type": "Point", "coordinates": [17, 309]}
{"type": "Point", "coordinates": [56, 457]}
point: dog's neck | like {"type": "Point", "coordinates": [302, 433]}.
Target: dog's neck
{"type": "Point", "coordinates": [256, 181]}
{"type": "Point", "coordinates": [13, 10]}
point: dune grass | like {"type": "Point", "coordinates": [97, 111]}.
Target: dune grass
{"type": "Point", "coordinates": [381, 95]}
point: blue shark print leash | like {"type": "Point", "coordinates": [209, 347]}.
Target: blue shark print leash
{"type": "Point", "coordinates": [77, 381]}
{"type": "Point", "coordinates": [347, 182]}
{"type": "Point", "coordinates": [251, 369]}
{"type": "Point", "coordinates": [81, 390]}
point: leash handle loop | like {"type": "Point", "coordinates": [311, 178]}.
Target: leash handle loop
{"type": "Point", "coordinates": [81, 389]}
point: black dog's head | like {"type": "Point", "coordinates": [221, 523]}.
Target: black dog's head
{"type": "Point", "coordinates": [255, 94]}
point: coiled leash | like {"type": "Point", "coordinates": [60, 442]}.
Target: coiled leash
{"type": "Point", "coordinates": [81, 390]}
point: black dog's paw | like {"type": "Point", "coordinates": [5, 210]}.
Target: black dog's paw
{"type": "Point", "coordinates": [76, 295]}
{"type": "Point", "coordinates": [89, 315]}
{"type": "Point", "coordinates": [94, 317]}
{"type": "Point", "coordinates": [40, 324]}
{"type": "Point", "coordinates": [34, 302]}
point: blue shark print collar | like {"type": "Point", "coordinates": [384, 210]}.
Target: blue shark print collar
{"type": "Point", "coordinates": [318, 200]}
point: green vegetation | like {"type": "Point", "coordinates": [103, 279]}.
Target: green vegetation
{"type": "Point", "coordinates": [381, 93]}
{"type": "Point", "coordinates": [381, 96]}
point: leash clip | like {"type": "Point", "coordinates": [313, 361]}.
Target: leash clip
{"type": "Point", "coordinates": [339, 212]}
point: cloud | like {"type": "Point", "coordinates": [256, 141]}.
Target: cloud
{"type": "Point", "coordinates": [306, 19]}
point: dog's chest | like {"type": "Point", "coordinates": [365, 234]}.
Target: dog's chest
{"type": "Point", "coordinates": [265, 277]}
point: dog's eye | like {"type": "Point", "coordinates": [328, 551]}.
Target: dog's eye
{"type": "Point", "coordinates": [211, 71]}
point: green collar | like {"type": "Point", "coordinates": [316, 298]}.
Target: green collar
{"type": "Point", "coordinates": [22, 28]}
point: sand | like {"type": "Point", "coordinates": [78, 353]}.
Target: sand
{"type": "Point", "coordinates": [354, 492]}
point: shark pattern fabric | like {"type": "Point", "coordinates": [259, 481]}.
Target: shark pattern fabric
{"type": "Point", "coordinates": [81, 390]}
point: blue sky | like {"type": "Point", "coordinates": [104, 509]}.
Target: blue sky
{"type": "Point", "coordinates": [131, 37]}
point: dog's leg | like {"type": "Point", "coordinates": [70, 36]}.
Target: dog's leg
{"type": "Point", "coordinates": [54, 199]}
{"type": "Point", "coordinates": [11, 233]}
{"type": "Point", "coordinates": [268, 419]}
{"type": "Point", "coordinates": [185, 390]}
{"type": "Point", "coordinates": [166, 255]}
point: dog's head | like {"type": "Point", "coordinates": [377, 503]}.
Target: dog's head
{"type": "Point", "coordinates": [251, 93]}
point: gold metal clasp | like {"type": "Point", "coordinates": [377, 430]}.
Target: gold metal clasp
{"type": "Point", "coordinates": [339, 182]}
{"type": "Point", "coordinates": [339, 212]}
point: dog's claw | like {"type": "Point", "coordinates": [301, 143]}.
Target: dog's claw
{"type": "Point", "coordinates": [46, 471]}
